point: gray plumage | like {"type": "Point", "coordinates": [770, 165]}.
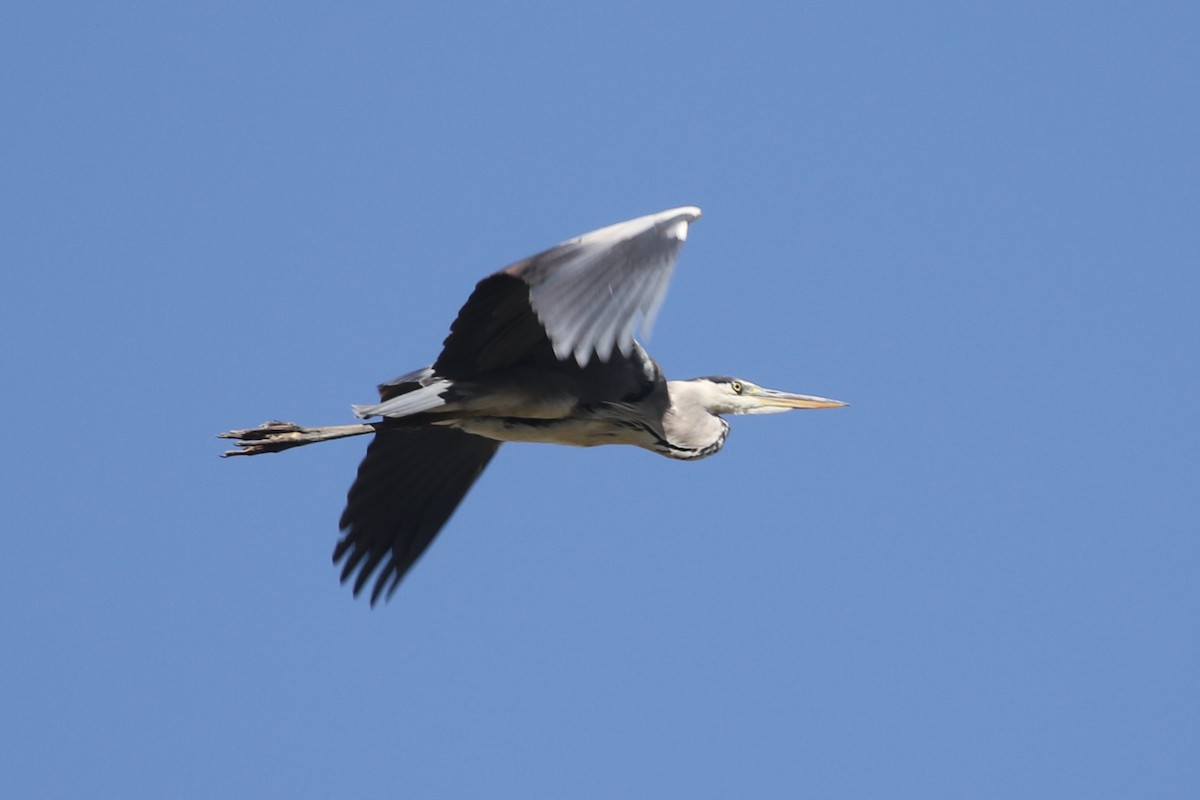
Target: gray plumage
{"type": "Point", "coordinates": [543, 351]}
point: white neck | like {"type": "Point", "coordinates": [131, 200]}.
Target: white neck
{"type": "Point", "coordinates": [691, 429]}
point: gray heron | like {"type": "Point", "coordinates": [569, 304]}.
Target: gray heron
{"type": "Point", "coordinates": [543, 351]}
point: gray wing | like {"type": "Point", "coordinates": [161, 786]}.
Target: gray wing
{"type": "Point", "coordinates": [590, 293]}
{"type": "Point", "coordinates": [408, 485]}
{"type": "Point", "coordinates": [579, 298]}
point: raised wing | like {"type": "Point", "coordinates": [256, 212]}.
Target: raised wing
{"type": "Point", "coordinates": [407, 487]}
{"type": "Point", "coordinates": [592, 292]}
{"type": "Point", "coordinates": [587, 296]}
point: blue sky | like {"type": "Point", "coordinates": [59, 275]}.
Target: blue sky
{"type": "Point", "coordinates": [977, 224]}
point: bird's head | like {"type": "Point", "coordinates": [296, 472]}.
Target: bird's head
{"type": "Point", "coordinates": [721, 394]}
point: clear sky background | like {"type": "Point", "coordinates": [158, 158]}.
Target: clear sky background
{"type": "Point", "coordinates": [976, 223]}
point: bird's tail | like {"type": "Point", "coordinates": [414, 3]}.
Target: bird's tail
{"type": "Point", "coordinates": [416, 400]}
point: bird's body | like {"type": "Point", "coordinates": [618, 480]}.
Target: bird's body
{"type": "Point", "coordinates": [542, 351]}
{"type": "Point", "coordinates": [623, 401]}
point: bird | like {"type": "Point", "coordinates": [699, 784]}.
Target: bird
{"type": "Point", "coordinates": [543, 350]}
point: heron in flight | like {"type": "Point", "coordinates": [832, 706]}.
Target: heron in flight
{"type": "Point", "coordinates": [543, 351]}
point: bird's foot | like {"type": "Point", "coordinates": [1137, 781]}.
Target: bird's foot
{"type": "Point", "coordinates": [274, 436]}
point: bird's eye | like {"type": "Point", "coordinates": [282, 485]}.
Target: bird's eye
{"type": "Point", "coordinates": [737, 387]}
